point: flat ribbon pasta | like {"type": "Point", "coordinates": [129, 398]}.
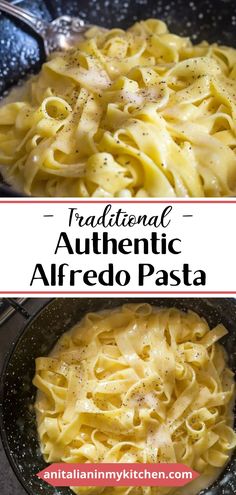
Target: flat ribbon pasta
{"type": "Point", "coordinates": [138, 384]}
{"type": "Point", "coordinates": [136, 113]}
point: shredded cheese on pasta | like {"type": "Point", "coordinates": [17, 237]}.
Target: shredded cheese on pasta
{"type": "Point", "coordinates": [137, 113]}
{"type": "Point", "coordinates": [138, 384]}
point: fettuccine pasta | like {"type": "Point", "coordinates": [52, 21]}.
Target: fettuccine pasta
{"type": "Point", "coordinates": [137, 113]}
{"type": "Point", "coordinates": [138, 384]}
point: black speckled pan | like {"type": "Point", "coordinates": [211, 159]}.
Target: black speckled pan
{"type": "Point", "coordinates": [21, 53]}
{"type": "Point", "coordinates": [17, 394]}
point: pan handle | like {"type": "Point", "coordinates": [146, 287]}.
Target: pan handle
{"type": "Point", "coordinates": [19, 308]}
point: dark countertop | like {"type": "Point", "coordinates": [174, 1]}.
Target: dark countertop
{"type": "Point", "coordinates": [9, 485]}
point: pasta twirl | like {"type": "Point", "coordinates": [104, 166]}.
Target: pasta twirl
{"type": "Point", "coordinates": [138, 384]}
{"type": "Point", "coordinates": [137, 113]}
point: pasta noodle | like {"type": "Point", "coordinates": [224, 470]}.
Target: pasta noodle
{"type": "Point", "coordinates": [138, 384]}
{"type": "Point", "coordinates": [137, 113]}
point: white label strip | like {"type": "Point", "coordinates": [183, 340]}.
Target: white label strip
{"type": "Point", "coordinates": [118, 247]}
